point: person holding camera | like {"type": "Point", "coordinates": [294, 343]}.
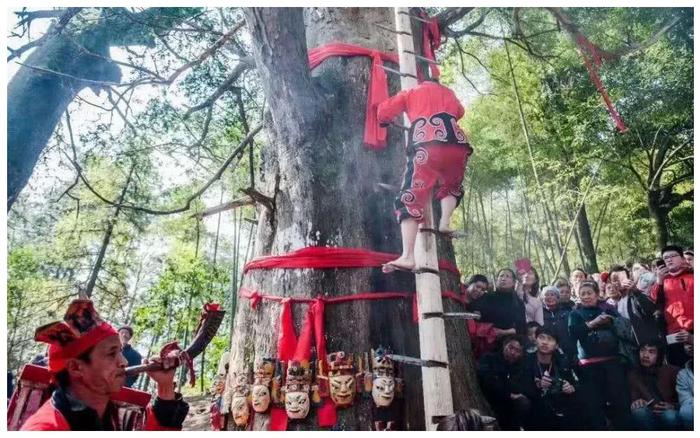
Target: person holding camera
{"type": "Point", "coordinates": [603, 380]}
{"type": "Point", "coordinates": [551, 385]}
{"type": "Point", "coordinates": [653, 391]}
{"type": "Point", "coordinates": [673, 293]}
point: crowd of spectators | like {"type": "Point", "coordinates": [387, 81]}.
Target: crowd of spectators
{"type": "Point", "coordinates": [597, 351]}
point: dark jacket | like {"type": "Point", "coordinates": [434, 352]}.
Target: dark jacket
{"type": "Point", "coordinates": [560, 370]}
{"type": "Point", "coordinates": [133, 358]}
{"type": "Point", "coordinates": [641, 311]}
{"type": "Point", "coordinates": [557, 320]}
{"type": "Point", "coordinates": [503, 309]}
{"type": "Point", "coordinates": [498, 378]}
{"type": "Point", "coordinates": [593, 343]}
{"type": "Point", "coordinates": [658, 383]}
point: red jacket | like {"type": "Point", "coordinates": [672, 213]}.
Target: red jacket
{"type": "Point", "coordinates": [678, 291]}
{"type": "Point", "coordinates": [433, 111]}
{"type": "Point", "coordinates": [50, 418]}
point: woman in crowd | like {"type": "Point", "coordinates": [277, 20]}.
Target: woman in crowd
{"type": "Point", "coordinates": [577, 276]}
{"type": "Point", "coordinates": [529, 291]}
{"type": "Point", "coordinates": [603, 379]}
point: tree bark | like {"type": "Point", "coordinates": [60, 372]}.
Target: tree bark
{"type": "Point", "coordinates": [583, 228]}
{"type": "Point", "coordinates": [323, 182]}
{"type": "Point", "coordinates": [37, 99]}
{"type": "Point", "coordinates": [61, 67]}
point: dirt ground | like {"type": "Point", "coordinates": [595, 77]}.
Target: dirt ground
{"type": "Point", "coordinates": [198, 416]}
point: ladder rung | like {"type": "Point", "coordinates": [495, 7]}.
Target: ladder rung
{"type": "Point", "coordinates": [415, 17]}
{"type": "Point", "coordinates": [399, 32]}
{"type": "Point", "coordinates": [422, 58]}
{"type": "Point", "coordinates": [396, 72]}
{"type": "Point", "coordinates": [426, 271]}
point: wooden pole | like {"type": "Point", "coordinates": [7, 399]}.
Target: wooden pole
{"type": "Point", "coordinates": [437, 390]}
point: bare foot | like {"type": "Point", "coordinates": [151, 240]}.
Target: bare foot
{"type": "Point", "coordinates": [400, 264]}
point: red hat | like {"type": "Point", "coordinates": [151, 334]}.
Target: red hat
{"type": "Point", "coordinates": [604, 276]}
{"type": "Point", "coordinates": [81, 329]}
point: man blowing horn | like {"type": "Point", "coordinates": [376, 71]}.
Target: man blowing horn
{"type": "Point", "coordinates": [88, 368]}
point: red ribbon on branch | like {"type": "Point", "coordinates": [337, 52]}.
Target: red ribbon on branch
{"type": "Point", "coordinates": [590, 53]}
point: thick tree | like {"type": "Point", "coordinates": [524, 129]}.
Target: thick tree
{"type": "Point", "coordinates": [67, 59]}
{"type": "Point", "coordinates": [323, 182]}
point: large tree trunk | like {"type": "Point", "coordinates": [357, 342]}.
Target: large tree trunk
{"type": "Point", "coordinates": [37, 99]}
{"type": "Point", "coordinates": [323, 183]}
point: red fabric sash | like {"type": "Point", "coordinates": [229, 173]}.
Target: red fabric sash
{"type": "Point", "coordinates": [286, 336]}
{"type": "Point", "coordinates": [322, 257]}
{"type": "Point", "coordinates": [431, 41]}
{"type": "Point", "coordinates": [378, 91]}
{"type": "Point", "coordinates": [588, 51]}
{"type": "Point", "coordinates": [291, 347]}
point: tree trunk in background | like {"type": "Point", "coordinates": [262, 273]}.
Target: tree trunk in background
{"type": "Point", "coordinates": [659, 217]}
{"type": "Point", "coordinates": [37, 98]}
{"type": "Point", "coordinates": [323, 182]}
{"type": "Point", "coordinates": [583, 227]}
{"type": "Point", "coordinates": [97, 267]}
{"type": "Point", "coordinates": [36, 101]}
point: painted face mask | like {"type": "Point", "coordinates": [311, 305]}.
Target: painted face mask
{"type": "Point", "coordinates": [383, 378]}
{"type": "Point", "coordinates": [239, 399]}
{"type": "Point", "coordinates": [260, 393]}
{"type": "Point", "coordinates": [341, 378]}
{"type": "Point", "coordinates": [296, 389]}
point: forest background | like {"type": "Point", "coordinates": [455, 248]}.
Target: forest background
{"type": "Point", "coordinates": [164, 138]}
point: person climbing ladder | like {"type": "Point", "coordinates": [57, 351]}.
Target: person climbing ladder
{"type": "Point", "coordinates": [437, 154]}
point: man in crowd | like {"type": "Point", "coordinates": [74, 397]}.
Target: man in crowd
{"type": "Point", "coordinates": [684, 388]}
{"type": "Point", "coordinates": [653, 391]}
{"type": "Point", "coordinates": [503, 308]}
{"type": "Point", "coordinates": [689, 256]}
{"type": "Point", "coordinates": [132, 356]}
{"type": "Point", "coordinates": [500, 376]}
{"type": "Point", "coordinates": [550, 384]}
{"type": "Point", "coordinates": [556, 320]}
{"type": "Point", "coordinates": [634, 306]}
{"type": "Point", "coordinates": [86, 363]}
{"type": "Point", "coordinates": [673, 292]}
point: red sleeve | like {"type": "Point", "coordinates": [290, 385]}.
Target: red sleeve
{"type": "Point", "coordinates": [460, 111]}
{"type": "Point", "coordinates": [654, 292]}
{"type": "Point", "coordinates": [390, 108]}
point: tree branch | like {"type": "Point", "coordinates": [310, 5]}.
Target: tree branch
{"type": "Point", "coordinates": [467, 30]}
{"type": "Point", "coordinates": [221, 89]}
{"type": "Point", "coordinates": [238, 151]}
{"type": "Point", "coordinates": [575, 33]}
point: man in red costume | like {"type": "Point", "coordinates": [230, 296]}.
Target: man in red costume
{"type": "Point", "coordinates": [437, 154]}
{"type": "Point", "coordinates": [87, 365]}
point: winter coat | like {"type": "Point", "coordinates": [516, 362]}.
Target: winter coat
{"type": "Point", "coordinates": [503, 309]}
{"type": "Point", "coordinates": [557, 320]}
{"type": "Point", "coordinates": [676, 299]}
{"type": "Point", "coordinates": [593, 343]}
